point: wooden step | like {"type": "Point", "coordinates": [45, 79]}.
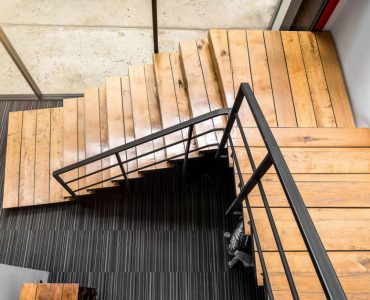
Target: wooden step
{"type": "Point", "coordinates": [202, 86]}
{"type": "Point", "coordinates": [173, 99]}
{"type": "Point", "coordinates": [142, 97]}
{"type": "Point", "coordinates": [295, 76]}
{"type": "Point", "coordinates": [314, 160]}
{"type": "Point", "coordinates": [352, 268]}
{"type": "Point", "coordinates": [34, 149]}
{"type": "Point", "coordinates": [120, 123]}
{"type": "Point", "coordinates": [74, 142]}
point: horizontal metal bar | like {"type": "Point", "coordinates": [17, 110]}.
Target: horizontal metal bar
{"type": "Point", "coordinates": [19, 63]}
{"type": "Point", "coordinates": [328, 278]}
{"type": "Point", "coordinates": [145, 139]}
{"type": "Point", "coordinates": [32, 97]}
{"type": "Point", "coordinates": [252, 182]}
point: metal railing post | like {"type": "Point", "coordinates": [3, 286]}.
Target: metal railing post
{"type": "Point", "coordinates": [19, 63]}
{"type": "Point", "coordinates": [185, 164]}
{"type": "Point", "coordinates": [155, 25]}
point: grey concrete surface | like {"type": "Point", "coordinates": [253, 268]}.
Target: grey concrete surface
{"type": "Point", "coordinates": [69, 45]}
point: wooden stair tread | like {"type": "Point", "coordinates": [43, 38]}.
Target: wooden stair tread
{"type": "Point", "coordinates": [314, 160]}
{"type": "Point", "coordinates": [307, 137]}
{"type": "Point", "coordinates": [57, 291]}
{"type": "Point", "coordinates": [142, 92]}
{"type": "Point", "coordinates": [193, 67]}
{"type": "Point", "coordinates": [289, 72]}
{"type": "Point", "coordinates": [352, 268]}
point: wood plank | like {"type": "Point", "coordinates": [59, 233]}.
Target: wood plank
{"type": "Point", "coordinates": [129, 125]}
{"type": "Point", "coordinates": [316, 80]}
{"type": "Point", "coordinates": [115, 120]}
{"type": "Point", "coordinates": [28, 291]}
{"type": "Point", "coordinates": [104, 135]}
{"type": "Point", "coordinates": [92, 135]}
{"type": "Point", "coordinates": [27, 166]}
{"type": "Point", "coordinates": [336, 227]}
{"type": "Point", "coordinates": [70, 144]}
{"type": "Point", "coordinates": [183, 102]}
{"type": "Point", "coordinates": [167, 100]}
{"type": "Point", "coordinates": [197, 91]}
{"type": "Point", "coordinates": [49, 291]}
{"type": "Point", "coordinates": [70, 291]}
{"type": "Point", "coordinates": [211, 83]}
{"type": "Point", "coordinates": [283, 100]}
{"type": "Point", "coordinates": [13, 159]}
{"type": "Point", "coordinates": [334, 79]}
{"type": "Point", "coordinates": [308, 137]}
{"type": "Point", "coordinates": [221, 56]}
{"type": "Point", "coordinates": [155, 114]}
{"type": "Point", "coordinates": [141, 116]}
{"type": "Point", "coordinates": [314, 160]}
{"type": "Point", "coordinates": [298, 80]}
{"type": "Point", "coordinates": [314, 177]}
{"type": "Point", "coordinates": [56, 152]}
{"type": "Point", "coordinates": [260, 75]}
{"type": "Point", "coordinates": [317, 194]}
{"type": "Point", "coordinates": [352, 268]}
{"type": "Point", "coordinates": [42, 160]}
{"type": "Point", "coordinates": [241, 71]}
{"type": "Point", "coordinates": [81, 144]}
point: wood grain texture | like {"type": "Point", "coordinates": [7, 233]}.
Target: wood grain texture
{"type": "Point", "coordinates": [212, 88]}
{"type": "Point", "coordinates": [70, 291]}
{"type": "Point", "coordinates": [219, 47]}
{"type": "Point", "coordinates": [315, 160]}
{"type": "Point", "coordinates": [28, 152]}
{"type": "Point", "coordinates": [335, 81]}
{"type": "Point", "coordinates": [308, 137]}
{"type": "Point", "coordinates": [335, 226]}
{"type": "Point", "coordinates": [129, 125]}
{"type": "Point", "coordinates": [28, 291]}
{"type": "Point", "coordinates": [283, 100]}
{"type": "Point", "coordinates": [81, 142]}
{"type": "Point", "coordinates": [70, 144]}
{"type": "Point", "coordinates": [141, 115]}
{"type": "Point", "coordinates": [115, 120]}
{"type": "Point", "coordinates": [155, 115]}
{"type": "Point", "coordinates": [182, 96]}
{"type": "Point", "coordinates": [49, 291]}
{"type": "Point", "coordinates": [56, 152]}
{"type": "Point", "coordinates": [261, 76]}
{"type": "Point", "coordinates": [298, 80]}
{"type": "Point", "coordinates": [42, 159]}
{"type": "Point", "coordinates": [13, 160]}
{"type": "Point", "coordinates": [316, 80]}
{"type": "Point", "coordinates": [167, 100]}
{"type": "Point", "coordinates": [104, 134]}
{"type": "Point", "coordinates": [241, 71]}
{"type": "Point", "coordinates": [352, 268]}
{"type": "Point", "coordinates": [92, 135]}
{"type": "Point", "coordinates": [197, 90]}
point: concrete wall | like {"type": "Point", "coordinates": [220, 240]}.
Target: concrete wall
{"type": "Point", "coordinates": [351, 31]}
{"type": "Point", "coordinates": [68, 45]}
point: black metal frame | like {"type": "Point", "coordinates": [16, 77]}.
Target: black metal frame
{"type": "Point", "coordinates": [324, 269]}
{"type": "Point", "coordinates": [124, 163]}
{"type": "Point", "coordinates": [315, 248]}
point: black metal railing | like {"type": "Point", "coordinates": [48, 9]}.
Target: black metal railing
{"type": "Point", "coordinates": [123, 163]}
{"type": "Point", "coordinates": [324, 269]}
{"type": "Point", "coordinates": [274, 157]}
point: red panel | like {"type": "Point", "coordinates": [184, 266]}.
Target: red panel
{"type": "Point", "coordinates": [328, 11]}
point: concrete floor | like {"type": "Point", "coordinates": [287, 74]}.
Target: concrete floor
{"type": "Point", "coordinates": [69, 45]}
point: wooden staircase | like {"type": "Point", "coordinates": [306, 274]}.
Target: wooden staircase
{"type": "Point", "coordinates": [297, 80]}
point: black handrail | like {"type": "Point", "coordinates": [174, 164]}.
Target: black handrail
{"type": "Point", "coordinates": [121, 163]}
{"type": "Point", "coordinates": [274, 157]}
{"type": "Point", "coordinates": [324, 268]}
